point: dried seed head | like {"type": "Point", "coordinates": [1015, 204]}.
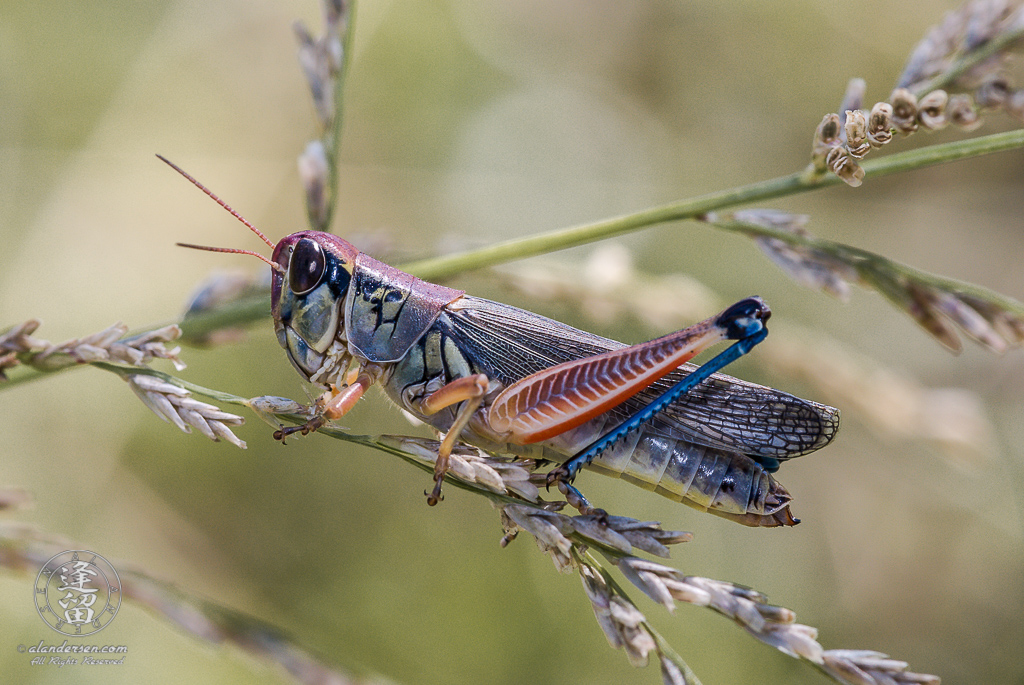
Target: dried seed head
{"type": "Point", "coordinates": [961, 34]}
{"type": "Point", "coordinates": [983, 22]}
{"type": "Point", "coordinates": [621, 622]}
{"type": "Point", "coordinates": [880, 124]}
{"type": "Point", "coordinates": [626, 627]}
{"type": "Point", "coordinates": [830, 129]}
{"type": "Point", "coordinates": [509, 527]}
{"type": "Point", "coordinates": [647, 535]}
{"type": "Point", "coordinates": [596, 530]}
{"type": "Point", "coordinates": [614, 534]}
{"type": "Point", "coordinates": [601, 600]}
{"type": "Point", "coordinates": [931, 110]}
{"type": "Point", "coordinates": [931, 56]}
{"type": "Point", "coordinates": [857, 133]}
{"type": "Point", "coordinates": [321, 59]}
{"type": "Point", "coordinates": [473, 468]}
{"type": "Point", "coordinates": [671, 674]}
{"type": "Point", "coordinates": [952, 53]}
{"type": "Point", "coordinates": [904, 110]}
{"type": "Point", "coordinates": [546, 528]}
{"type": "Point", "coordinates": [267, 407]}
{"type": "Point", "coordinates": [806, 265]}
{"type": "Point", "coordinates": [334, 12]}
{"type": "Point", "coordinates": [774, 614]}
{"type": "Point", "coordinates": [19, 338]}
{"type": "Point", "coordinates": [864, 667]}
{"type": "Point", "coordinates": [316, 64]}
{"type": "Point", "coordinates": [769, 218]}
{"type": "Point", "coordinates": [937, 309]}
{"type": "Point", "coordinates": [796, 640]}
{"type": "Point", "coordinates": [962, 112]}
{"type": "Point", "coordinates": [637, 641]}
{"type": "Point", "coordinates": [1008, 324]}
{"type": "Point", "coordinates": [772, 625]}
{"type": "Point", "coordinates": [921, 306]}
{"type": "Point", "coordinates": [993, 93]}
{"type": "Point", "coordinates": [470, 465]}
{"type": "Point", "coordinates": [810, 267]}
{"type": "Point", "coordinates": [969, 320]}
{"type": "Point", "coordinates": [826, 138]}
{"type": "Point", "coordinates": [650, 577]}
{"type": "Point", "coordinates": [106, 345]}
{"type": "Point", "coordinates": [335, 18]}
{"type": "Point", "coordinates": [843, 166]}
{"type": "Point", "coordinates": [313, 172]}
{"type": "Point", "coordinates": [924, 61]}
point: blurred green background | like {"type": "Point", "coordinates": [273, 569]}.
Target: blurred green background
{"type": "Point", "coordinates": [468, 122]}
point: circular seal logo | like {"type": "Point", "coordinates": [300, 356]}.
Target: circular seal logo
{"type": "Point", "coordinates": [77, 593]}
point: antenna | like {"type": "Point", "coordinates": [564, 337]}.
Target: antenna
{"type": "Point", "coordinates": [223, 204]}
{"type": "Point", "coordinates": [273, 265]}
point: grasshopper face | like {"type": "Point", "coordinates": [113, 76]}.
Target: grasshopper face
{"type": "Point", "coordinates": [308, 295]}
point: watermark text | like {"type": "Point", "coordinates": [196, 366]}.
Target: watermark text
{"type": "Point", "coordinates": [65, 654]}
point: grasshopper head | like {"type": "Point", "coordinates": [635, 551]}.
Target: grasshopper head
{"type": "Point", "coordinates": [311, 275]}
{"type": "Point", "coordinates": [308, 295]}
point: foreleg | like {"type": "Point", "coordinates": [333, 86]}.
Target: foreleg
{"type": "Point", "coordinates": [331, 406]}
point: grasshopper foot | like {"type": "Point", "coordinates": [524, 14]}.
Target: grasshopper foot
{"type": "Point", "coordinates": [565, 473]}
{"type": "Point", "coordinates": [435, 496]}
{"type": "Point", "coordinates": [559, 476]}
{"type": "Point", "coordinates": [305, 429]}
{"type": "Point", "coordinates": [577, 501]}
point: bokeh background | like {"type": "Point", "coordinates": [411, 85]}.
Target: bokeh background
{"type": "Point", "coordinates": [468, 122]}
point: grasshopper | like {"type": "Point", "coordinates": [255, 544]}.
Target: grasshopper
{"type": "Point", "coordinates": [510, 381]}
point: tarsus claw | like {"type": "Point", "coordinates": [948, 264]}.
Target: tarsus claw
{"type": "Point", "coordinates": [310, 426]}
{"type": "Point", "coordinates": [558, 475]}
{"type": "Point", "coordinates": [435, 495]}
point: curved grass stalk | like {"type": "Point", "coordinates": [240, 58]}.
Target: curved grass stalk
{"type": "Point", "coordinates": [571, 540]}
{"type": "Point", "coordinates": [531, 246]}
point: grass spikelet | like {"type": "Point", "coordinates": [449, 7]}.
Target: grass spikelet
{"type": "Point", "coordinates": [175, 405]}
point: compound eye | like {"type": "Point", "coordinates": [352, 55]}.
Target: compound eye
{"type": "Point", "coordinates": [307, 266]}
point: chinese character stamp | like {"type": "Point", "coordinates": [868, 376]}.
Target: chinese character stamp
{"type": "Point", "coordinates": [77, 593]}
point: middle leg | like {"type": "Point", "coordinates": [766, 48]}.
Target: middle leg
{"type": "Point", "coordinates": [469, 390]}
